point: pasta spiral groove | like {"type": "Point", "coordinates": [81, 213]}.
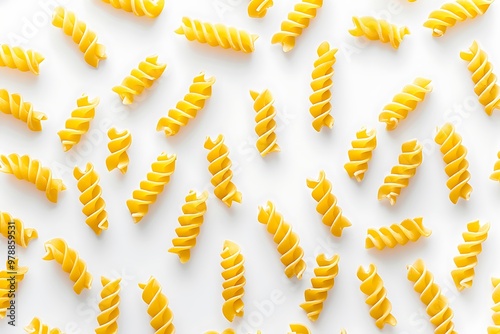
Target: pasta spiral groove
{"type": "Point", "coordinates": [23, 236]}
{"type": "Point", "coordinates": [258, 8]}
{"type": "Point", "coordinates": [37, 327]}
{"type": "Point", "coordinates": [118, 145]}
{"type": "Point", "coordinates": [13, 104]}
{"type": "Point", "coordinates": [110, 300]}
{"type": "Point", "coordinates": [161, 315]}
{"type": "Point", "coordinates": [12, 271]}
{"type": "Point", "coordinates": [299, 329]}
{"type": "Point", "coordinates": [149, 8]}
{"type": "Point", "coordinates": [234, 280]}
{"type": "Point", "coordinates": [495, 329]}
{"type": "Point", "coordinates": [397, 234]}
{"type": "Point", "coordinates": [266, 125]}
{"type": "Point", "coordinates": [21, 59]}
{"type": "Point", "coordinates": [361, 153]}
{"type": "Point", "coordinates": [377, 29]}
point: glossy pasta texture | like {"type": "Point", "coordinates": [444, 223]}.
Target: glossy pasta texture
{"type": "Point", "coordinates": [476, 234]}
{"type": "Point", "coordinates": [37, 327]}
{"type": "Point", "coordinates": [455, 157]}
{"type": "Point", "coordinates": [286, 240]}
{"type": "Point", "coordinates": [57, 249]}
{"type": "Point", "coordinates": [12, 270]}
{"type": "Point", "coordinates": [86, 39]}
{"type": "Point", "coordinates": [436, 303]}
{"type": "Point", "coordinates": [20, 59]}
{"type": "Point", "coordinates": [299, 329]}
{"type": "Point", "coordinates": [217, 35]}
{"type": "Point", "coordinates": [190, 222]}
{"type": "Point", "coordinates": [119, 143]}
{"type": "Point", "coordinates": [266, 125]}
{"type": "Point", "coordinates": [495, 176]}
{"type": "Point", "coordinates": [161, 315]}
{"type": "Point", "coordinates": [13, 104]}
{"type": "Point", "coordinates": [233, 272]}
{"type": "Point", "coordinates": [361, 153]}
{"type": "Point", "coordinates": [23, 235]}
{"type": "Point", "coordinates": [378, 29]}
{"type": "Point", "coordinates": [149, 8]}
{"type": "Point", "coordinates": [405, 102]}
{"type": "Point", "coordinates": [152, 186]}
{"type": "Point", "coordinates": [25, 168]}
{"type": "Point", "coordinates": [298, 20]}
{"type": "Point", "coordinates": [373, 286]}
{"type": "Point", "coordinates": [258, 8]}
{"type": "Point", "coordinates": [108, 306]}
{"type": "Point", "coordinates": [397, 234]}
{"type": "Point", "coordinates": [187, 108]}
{"type": "Point", "coordinates": [495, 329]}
{"type": "Point", "coordinates": [322, 282]}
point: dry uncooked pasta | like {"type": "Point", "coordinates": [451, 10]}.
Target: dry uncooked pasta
{"type": "Point", "coordinates": [378, 29]}
{"type": "Point", "coordinates": [149, 8]}
{"type": "Point", "coordinates": [108, 306]}
{"type": "Point", "coordinates": [233, 273]}
{"type": "Point", "coordinates": [361, 153]}
{"type": "Point", "coordinates": [13, 104]}
{"type": "Point", "coordinates": [161, 315]}
{"type": "Point", "coordinates": [20, 59]}
{"type": "Point", "coordinates": [266, 125]}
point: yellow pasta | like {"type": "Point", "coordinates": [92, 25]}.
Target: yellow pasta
{"type": "Point", "coordinates": [361, 153]}
{"type": "Point", "coordinates": [86, 39]}
{"type": "Point", "coordinates": [12, 271]}
{"type": "Point", "coordinates": [373, 286]}
{"type": "Point", "coordinates": [495, 329]}
{"type": "Point", "coordinates": [190, 222]}
{"type": "Point", "coordinates": [22, 236]}
{"type": "Point", "coordinates": [455, 11]}
{"type": "Point", "coordinates": [258, 8]}
{"type": "Point", "coordinates": [234, 280]}
{"type": "Point", "coordinates": [286, 240]}
{"type": "Point", "coordinates": [20, 59]}
{"type": "Point", "coordinates": [94, 207]}
{"type": "Point", "coordinates": [57, 249]}
{"type": "Point", "coordinates": [299, 329]}
{"type": "Point", "coordinates": [119, 143]}
{"type": "Point", "coordinates": [37, 327]}
{"type": "Point", "coordinates": [13, 104]}
{"type": "Point", "coordinates": [220, 168]}
{"type": "Point", "coordinates": [436, 303]}
{"type": "Point", "coordinates": [405, 102]}
{"type": "Point", "coordinates": [226, 331]}
{"type": "Point", "coordinates": [110, 300]}
{"type": "Point", "coordinates": [476, 234]}
{"type": "Point", "coordinates": [266, 125]}
{"type": "Point", "coordinates": [187, 108]}
{"type": "Point", "coordinates": [25, 168]}
{"type": "Point", "coordinates": [161, 315]}
{"type": "Point", "coordinates": [322, 282]}
{"type": "Point", "coordinates": [343, 331]}
{"type": "Point", "coordinates": [485, 81]}
{"type": "Point", "coordinates": [397, 234]}
{"type": "Point", "coordinates": [327, 204]}
{"type": "Point", "coordinates": [149, 8]}
{"type": "Point", "coordinates": [495, 176]}
{"type": "Point", "coordinates": [217, 35]}
{"type": "Point", "coordinates": [152, 186]}
{"type": "Point", "coordinates": [378, 29]}
{"type": "Point", "coordinates": [140, 78]}
{"type": "Point", "coordinates": [455, 157]}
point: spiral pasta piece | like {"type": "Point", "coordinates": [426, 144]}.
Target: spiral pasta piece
{"type": "Point", "coordinates": [452, 12]}
{"type": "Point", "coordinates": [299, 329]}
{"type": "Point", "coordinates": [266, 125]}
{"type": "Point", "coordinates": [361, 153]}
{"type": "Point", "coordinates": [455, 157]}
{"type": "Point", "coordinates": [397, 234]}
{"type": "Point", "coordinates": [220, 168]}
{"type": "Point", "coordinates": [436, 303]}
{"type": "Point", "coordinates": [322, 282]}
{"type": "Point", "coordinates": [25, 168]}
{"type": "Point", "coordinates": [286, 240]}
{"type": "Point", "coordinates": [23, 236]}
{"type": "Point", "coordinates": [227, 331]}
{"type": "Point", "coordinates": [258, 8]}
{"type": "Point", "coordinates": [37, 327]}
{"type": "Point", "coordinates": [495, 329]}
{"type": "Point", "coordinates": [86, 39]}
{"type": "Point", "coordinates": [94, 207]}
{"type": "Point", "coordinates": [485, 81]}
{"type": "Point", "coordinates": [152, 186]}
{"type": "Point", "coordinates": [149, 8]}
{"type": "Point", "coordinates": [186, 109]}
{"type": "Point", "coordinates": [13, 104]}
{"type": "Point", "coordinates": [110, 300]}
{"type": "Point", "coordinates": [12, 271]}
{"type": "Point", "coordinates": [476, 234]}
{"type": "Point", "coordinates": [234, 280]}
{"type": "Point", "coordinates": [405, 102]}
{"type": "Point", "coordinates": [161, 315]}
{"type": "Point", "coordinates": [119, 143]}
{"type": "Point", "coordinates": [18, 58]}
{"type": "Point", "coordinates": [71, 263]}
{"type": "Point", "coordinates": [343, 331]}
{"type": "Point", "coordinates": [190, 222]}
{"type": "Point", "coordinates": [495, 176]}
{"type": "Point", "coordinates": [217, 35]}
{"type": "Point", "coordinates": [378, 29]}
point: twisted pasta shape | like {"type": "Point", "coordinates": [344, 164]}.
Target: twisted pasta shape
{"type": "Point", "coordinates": [20, 59]}
{"type": "Point", "coordinates": [140, 78]}
{"type": "Point", "coordinates": [343, 331]}
{"type": "Point", "coordinates": [373, 286]}
{"type": "Point", "coordinates": [437, 306]}
{"type": "Point", "coordinates": [361, 153]}
{"type": "Point", "coordinates": [161, 315]}
{"type": "Point", "coordinates": [297, 20]}
{"type": "Point", "coordinates": [266, 125]}
{"type": "Point", "coordinates": [25, 168]}
{"type": "Point", "coordinates": [485, 81]}
{"type": "Point", "coordinates": [378, 29]}
{"type": "Point", "coordinates": [23, 236]}
{"type": "Point", "coordinates": [220, 168]}
{"type": "Point", "coordinates": [152, 186]}
{"type": "Point", "coordinates": [13, 104]}
{"type": "Point", "coordinates": [299, 329]}
{"type": "Point", "coordinates": [94, 207]}
{"type": "Point", "coordinates": [37, 327]}
{"type": "Point", "coordinates": [86, 39]}
{"type": "Point", "coordinates": [409, 160]}
{"type": "Point", "coordinates": [258, 8]}
{"type": "Point", "coordinates": [322, 282]}
{"type": "Point", "coordinates": [227, 331]}
{"type": "Point", "coordinates": [476, 234]}
{"type": "Point", "coordinates": [149, 8]}
{"type": "Point", "coordinates": [234, 280]}
{"type": "Point", "coordinates": [287, 240]}
{"type": "Point", "coordinates": [455, 157]}
{"type": "Point", "coordinates": [118, 145]}
{"type": "Point", "coordinates": [70, 261]}
{"type": "Point", "coordinates": [397, 234]}
{"type": "Point", "coordinates": [79, 122]}
{"type": "Point", "coordinates": [217, 35]}
{"type": "Point", "coordinates": [110, 299]}
{"type": "Point", "coordinates": [327, 204]}
{"type": "Point", "coordinates": [12, 270]}
{"type": "Point", "coordinates": [495, 329]}
{"type": "Point", "coordinates": [452, 12]}
{"type": "Point", "coordinates": [404, 103]}
{"type": "Point", "coordinates": [190, 222]}
{"type": "Point", "coordinates": [495, 176]}
{"type": "Point", "coordinates": [186, 109]}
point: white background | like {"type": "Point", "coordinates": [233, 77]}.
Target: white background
{"type": "Point", "coordinates": [367, 75]}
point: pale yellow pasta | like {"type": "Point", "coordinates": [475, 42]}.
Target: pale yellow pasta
{"type": "Point", "coordinates": [233, 273]}
{"type": "Point", "coordinates": [258, 8]}
{"type": "Point", "coordinates": [108, 306]}
{"type": "Point", "coordinates": [13, 104]}
{"type": "Point", "coordinates": [266, 125]}
{"type": "Point", "coordinates": [397, 234]}
{"type": "Point", "coordinates": [20, 59]}
{"type": "Point", "coordinates": [119, 143]}
{"type": "Point", "coordinates": [149, 8]}
{"type": "Point", "coordinates": [361, 153]}
{"type": "Point", "coordinates": [378, 29]}
{"type": "Point", "coordinates": [15, 227]}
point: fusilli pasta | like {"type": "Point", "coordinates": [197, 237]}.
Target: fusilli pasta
{"type": "Point", "coordinates": [149, 8]}
{"type": "Point", "coordinates": [119, 142]}
{"type": "Point", "coordinates": [20, 59]}
{"type": "Point", "coordinates": [37, 327]}
{"type": "Point", "coordinates": [234, 280]}
{"type": "Point", "coordinates": [258, 8]}
{"type": "Point", "coordinates": [12, 270]}
{"type": "Point", "coordinates": [13, 104]}
{"type": "Point", "coordinates": [361, 153]}
{"type": "Point", "coordinates": [110, 300]}
{"type": "Point", "coordinates": [161, 315]}
{"type": "Point", "coordinates": [495, 329]}
{"type": "Point", "coordinates": [299, 329]}
{"type": "Point", "coordinates": [495, 176]}
{"type": "Point", "coordinates": [397, 234]}
{"type": "Point", "coordinates": [378, 29]}
{"type": "Point", "coordinates": [266, 125]}
{"type": "Point", "coordinates": [22, 236]}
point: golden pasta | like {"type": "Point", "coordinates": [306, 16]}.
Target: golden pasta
{"type": "Point", "coordinates": [361, 153]}
{"type": "Point", "coordinates": [161, 315]}
{"type": "Point", "coordinates": [119, 143]}
{"type": "Point", "coordinates": [266, 125]}
{"type": "Point", "coordinates": [496, 307]}
{"type": "Point", "coordinates": [108, 306]}
{"type": "Point", "coordinates": [149, 8]}
{"type": "Point", "coordinates": [18, 58]}
{"type": "Point", "coordinates": [23, 235]}
{"type": "Point", "coordinates": [13, 104]}
{"type": "Point", "coordinates": [495, 176]}
{"type": "Point", "coordinates": [299, 329]}
{"type": "Point", "coordinates": [234, 280]}
{"type": "Point", "coordinates": [37, 327]}
{"type": "Point", "coordinates": [378, 29]}
{"type": "Point", "coordinates": [258, 8]}
{"type": "Point", "coordinates": [12, 271]}
{"type": "Point", "coordinates": [397, 234]}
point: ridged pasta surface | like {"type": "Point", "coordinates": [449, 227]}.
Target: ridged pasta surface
{"type": "Point", "coordinates": [161, 315]}
{"type": "Point", "coordinates": [397, 234]}
{"type": "Point", "coordinates": [233, 273]}
{"type": "Point", "coordinates": [378, 29]}
{"type": "Point", "coordinates": [37, 327]}
{"type": "Point", "coordinates": [23, 235]}
{"type": "Point", "coordinates": [20, 59]}
{"type": "Point", "coordinates": [119, 143]}
{"type": "Point", "coordinates": [495, 329]}
{"type": "Point", "coordinates": [12, 270]}
{"type": "Point", "coordinates": [266, 125]}
{"type": "Point", "coordinates": [13, 104]}
{"type": "Point", "coordinates": [149, 8]}
{"type": "Point", "coordinates": [109, 306]}
{"type": "Point", "coordinates": [258, 8]}
{"type": "Point", "coordinates": [361, 153]}
{"type": "Point", "coordinates": [299, 329]}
